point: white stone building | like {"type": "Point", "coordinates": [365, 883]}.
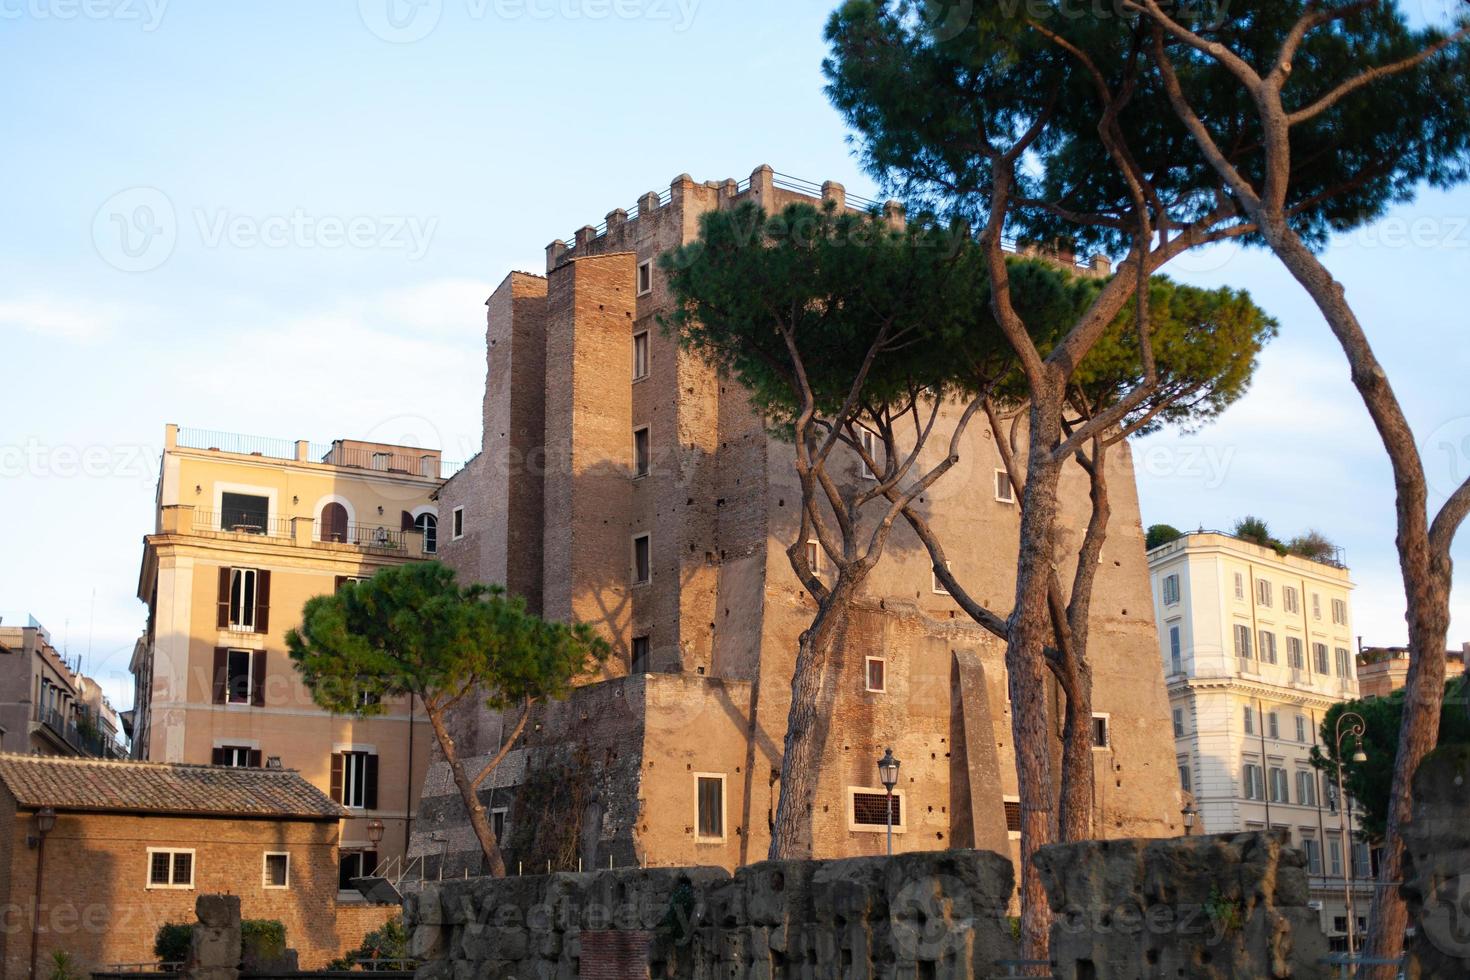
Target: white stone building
{"type": "Point", "coordinates": [1256, 648]}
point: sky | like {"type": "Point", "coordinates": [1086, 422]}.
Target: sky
{"type": "Point", "coordinates": [281, 218]}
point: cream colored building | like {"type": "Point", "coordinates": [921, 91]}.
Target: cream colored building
{"type": "Point", "coordinates": [1256, 647]}
{"type": "Point", "coordinates": [247, 531]}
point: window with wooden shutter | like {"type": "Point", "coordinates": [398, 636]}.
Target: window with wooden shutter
{"type": "Point", "coordinates": [223, 617]}
{"type": "Point", "coordinates": [221, 673]}
{"type": "Point", "coordinates": [257, 679]}
{"type": "Point", "coordinates": [262, 602]}
{"type": "Point", "coordinates": [370, 783]}
{"type": "Point", "coordinates": [336, 786]}
{"type": "Point", "coordinates": [334, 523]}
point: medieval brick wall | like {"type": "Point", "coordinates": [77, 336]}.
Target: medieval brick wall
{"type": "Point", "coordinates": [723, 611]}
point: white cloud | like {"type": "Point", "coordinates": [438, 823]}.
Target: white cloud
{"type": "Point", "coordinates": [58, 319]}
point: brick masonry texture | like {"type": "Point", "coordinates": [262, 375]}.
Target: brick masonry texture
{"type": "Point", "coordinates": [723, 610]}
{"type": "Point", "coordinates": [95, 903]}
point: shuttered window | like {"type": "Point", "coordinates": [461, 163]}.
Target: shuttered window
{"type": "Point", "coordinates": [244, 600]}
{"type": "Point", "coordinates": [355, 780]}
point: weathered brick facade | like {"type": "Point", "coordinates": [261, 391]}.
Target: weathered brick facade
{"type": "Point", "coordinates": [723, 610]}
{"type": "Point", "coordinates": [96, 904]}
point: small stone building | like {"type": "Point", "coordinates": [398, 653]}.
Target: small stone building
{"type": "Point", "coordinates": [129, 846]}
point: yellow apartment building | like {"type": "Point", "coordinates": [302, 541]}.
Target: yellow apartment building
{"type": "Point", "coordinates": [247, 530]}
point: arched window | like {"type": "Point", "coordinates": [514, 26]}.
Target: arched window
{"type": "Point", "coordinates": [429, 524]}
{"type": "Point", "coordinates": [334, 522]}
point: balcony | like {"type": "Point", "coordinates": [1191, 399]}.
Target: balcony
{"type": "Point", "coordinates": [293, 532]}
{"type": "Point", "coordinates": [84, 740]}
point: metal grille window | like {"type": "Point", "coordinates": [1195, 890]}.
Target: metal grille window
{"type": "Point", "coordinates": [1013, 816]}
{"type": "Point", "coordinates": [868, 809]}
{"type": "Point", "coordinates": [170, 869]}
{"type": "Point", "coordinates": [277, 870]}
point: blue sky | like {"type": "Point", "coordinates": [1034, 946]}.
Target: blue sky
{"type": "Point", "coordinates": [317, 197]}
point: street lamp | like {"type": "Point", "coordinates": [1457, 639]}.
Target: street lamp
{"type": "Point", "coordinates": [1356, 728]}
{"type": "Point", "coordinates": [888, 773]}
{"type": "Point", "coordinates": [45, 822]}
{"type": "Point", "coordinates": [1189, 813]}
{"type": "Point", "coordinates": [375, 831]}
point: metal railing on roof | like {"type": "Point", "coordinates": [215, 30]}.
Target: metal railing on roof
{"type": "Point", "coordinates": [234, 442]}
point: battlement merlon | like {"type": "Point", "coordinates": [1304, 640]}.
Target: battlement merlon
{"type": "Point", "coordinates": [764, 186]}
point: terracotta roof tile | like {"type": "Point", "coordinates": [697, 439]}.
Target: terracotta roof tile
{"type": "Point", "coordinates": [153, 787]}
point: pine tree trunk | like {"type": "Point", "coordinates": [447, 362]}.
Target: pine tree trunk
{"type": "Point", "coordinates": [1426, 575]}
{"type": "Point", "coordinates": [494, 863]}
{"type": "Point", "coordinates": [801, 759]}
{"type": "Point", "coordinates": [1075, 823]}
{"type": "Point", "coordinates": [1030, 632]}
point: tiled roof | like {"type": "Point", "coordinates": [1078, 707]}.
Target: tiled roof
{"type": "Point", "coordinates": [152, 787]}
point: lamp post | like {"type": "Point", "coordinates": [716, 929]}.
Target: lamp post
{"type": "Point", "coordinates": [888, 773]}
{"type": "Point", "coordinates": [375, 834]}
{"type": "Point", "coordinates": [1189, 813]}
{"type": "Point", "coordinates": [1356, 727]}
{"type": "Point", "coordinates": [45, 821]}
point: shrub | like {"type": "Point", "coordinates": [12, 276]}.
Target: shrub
{"type": "Point", "coordinates": [171, 943]}
{"type": "Point", "coordinates": [1161, 534]}
{"type": "Point", "coordinates": [62, 967]}
{"type": "Point", "coordinates": [1313, 546]}
{"type": "Point", "coordinates": [1254, 529]}
{"type": "Point", "coordinates": [262, 940]}
{"type": "Point", "coordinates": [388, 942]}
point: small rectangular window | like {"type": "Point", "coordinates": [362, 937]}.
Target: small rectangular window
{"type": "Point", "coordinates": [1313, 849]}
{"type": "Point", "coordinates": [170, 868]}
{"type": "Point", "coordinates": [355, 780]}
{"type": "Point", "coordinates": [1273, 725]}
{"type": "Point", "coordinates": [237, 756]}
{"type": "Point", "coordinates": [1268, 647]}
{"type": "Point", "coordinates": [1294, 653]}
{"type": "Point", "coordinates": [872, 447]}
{"type": "Point", "coordinates": [1178, 722]}
{"type": "Point", "coordinates": [640, 451]}
{"type": "Point", "coordinates": [1319, 653]}
{"type": "Point", "coordinates": [1100, 734]}
{"type": "Point", "coordinates": [1185, 781]}
{"type": "Point", "coordinates": [1263, 593]}
{"type": "Point", "coordinates": [642, 568]}
{"type": "Point", "coordinates": [1316, 606]}
{"type": "Point", "coordinates": [640, 355]}
{"type": "Point", "coordinates": [1239, 586]}
{"type": "Point", "coordinates": [934, 581]}
{"type": "Point", "coordinates": [1254, 784]}
{"type": "Point", "coordinates": [1339, 612]}
{"type": "Point", "coordinates": [877, 676]}
{"type": "Point", "coordinates": [1248, 714]}
{"type": "Point", "coordinates": [1344, 663]}
{"type": "Point", "coordinates": [1004, 491]}
{"type": "Point", "coordinates": [709, 791]}
{"type": "Point", "coordinates": [1290, 599]}
{"type": "Point", "coordinates": [1176, 651]}
{"type": "Point", "coordinates": [1306, 787]}
{"type": "Point", "coordinates": [640, 655]}
{"type": "Point", "coordinates": [456, 523]}
{"type": "Point", "coordinates": [1012, 806]}
{"type": "Point", "coordinates": [355, 864]}
{"type": "Point", "coordinates": [277, 870]}
{"type": "Point", "coordinates": [814, 555]}
{"type": "Point", "coordinates": [1301, 729]}
{"type": "Point", "coordinates": [1242, 641]}
{"type": "Point", "coordinates": [872, 809]}
{"type": "Point", "coordinates": [645, 278]}
{"type": "Point", "coordinates": [498, 824]}
{"type": "Point", "coordinates": [1171, 590]}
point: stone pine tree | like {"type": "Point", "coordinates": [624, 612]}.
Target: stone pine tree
{"type": "Point", "coordinates": [1049, 121]}
{"type": "Point", "coordinates": [985, 112]}
{"type": "Point", "coordinates": [1269, 96]}
{"type": "Point", "coordinates": [826, 318]}
{"type": "Point", "coordinates": [414, 632]}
